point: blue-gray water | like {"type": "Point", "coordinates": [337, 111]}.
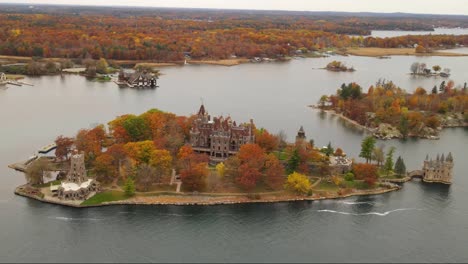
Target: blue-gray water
{"type": "Point", "coordinates": [420, 223]}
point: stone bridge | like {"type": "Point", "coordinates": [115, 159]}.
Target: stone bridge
{"type": "Point", "coordinates": [416, 174]}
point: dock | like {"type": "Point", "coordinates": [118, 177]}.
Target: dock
{"type": "Point", "coordinates": [22, 166]}
{"type": "Point", "coordinates": [47, 149]}
{"type": "Point", "coordinates": [18, 83]}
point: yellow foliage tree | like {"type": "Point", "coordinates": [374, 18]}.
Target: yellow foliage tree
{"type": "Point", "coordinates": [221, 169]}
{"type": "Point", "coordinates": [298, 183]}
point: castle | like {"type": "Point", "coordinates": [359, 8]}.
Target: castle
{"type": "Point", "coordinates": [439, 170]}
{"type": "Point", "coordinates": [220, 137]}
{"type": "Point", "coordinates": [77, 186]}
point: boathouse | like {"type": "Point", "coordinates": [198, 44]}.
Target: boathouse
{"type": "Point", "coordinates": [137, 79]}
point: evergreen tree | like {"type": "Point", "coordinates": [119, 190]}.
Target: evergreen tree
{"type": "Point", "coordinates": [329, 150]}
{"type": "Point", "coordinates": [400, 167]}
{"type": "Point", "coordinates": [404, 126]}
{"type": "Point", "coordinates": [293, 162]}
{"type": "Point", "coordinates": [434, 90]}
{"type": "Point", "coordinates": [129, 187]}
{"type": "Point", "coordinates": [367, 147]}
{"type": "Point", "coordinates": [389, 160]}
{"type": "Point", "coordinates": [442, 87]}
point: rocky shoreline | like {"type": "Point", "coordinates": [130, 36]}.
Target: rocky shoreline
{"type": "Point", "coordinates": [199, 200]}
{"type": "Point", "coordinates": [387, 131]}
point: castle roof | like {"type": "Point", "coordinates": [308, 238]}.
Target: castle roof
{"type": "Point", "coordinates": [202, 110]}
{"type": "Point", "coordinates": [449, 157]}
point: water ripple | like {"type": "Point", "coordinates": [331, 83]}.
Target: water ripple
{"type": "Point", "coordinates": [370, 213]}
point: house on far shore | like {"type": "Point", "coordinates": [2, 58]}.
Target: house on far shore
{"type": "Point", "coordinates": [137, 79]}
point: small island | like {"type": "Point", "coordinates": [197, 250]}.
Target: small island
{"type": "Point", "coordinates": [421, 69]}
{"type": "Point", "coordinates": [338, 66]}
{"type": "Point", "coordinates": [387, 111]}
{"type": "Point", "coordinates": [161, 158]}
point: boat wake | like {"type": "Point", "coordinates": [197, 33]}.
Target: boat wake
{"type": "Point", "coordinates": [356, 203]}
{"type": "Point", "coordinates": [74, 219]}
{"type": "Point", "coordinates": [370, 213]}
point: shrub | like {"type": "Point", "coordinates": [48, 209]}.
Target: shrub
{"type": "Point", "coordinates": [349, 176]}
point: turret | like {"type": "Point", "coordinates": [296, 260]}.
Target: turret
{"type": "Point", "coordinates": [449, 157]}
{"type": "Point", "coordinates": [442, 158]}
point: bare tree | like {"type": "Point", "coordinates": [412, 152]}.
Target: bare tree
{"type": "Point", "coordinates": [37, 171]}
{"type": "Point", "coordinates": [415, 67]}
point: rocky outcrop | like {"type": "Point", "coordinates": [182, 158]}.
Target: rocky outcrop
{"type": "Point", "coordinates": [387, 131]}
{"type": "Point", "coordinates": [453, 120]}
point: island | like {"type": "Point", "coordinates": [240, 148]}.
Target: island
{"type": "Point", "coordinates": [338, 66]}
{"type": "Point", "coordinates": [387, 111]}
{"type": "Point", "coordinates": [160, 158]}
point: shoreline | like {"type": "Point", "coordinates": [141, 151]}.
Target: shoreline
{"type": "Point", "coordinates": [382, 52]}
{"type": "Point", "coordinates": [201, 200]}
{"type": "Point", "coordinates": [373, 130]}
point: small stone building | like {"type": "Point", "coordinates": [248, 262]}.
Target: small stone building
{"type": "Point", "coordinates": [220, 137]}
{"type": "Point", "coordinates": [439, 170]}
{"type": "Point", "coordinates": [77, 186]}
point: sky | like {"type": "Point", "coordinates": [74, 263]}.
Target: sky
{"type": "Point", "coordinates": [459, 7]}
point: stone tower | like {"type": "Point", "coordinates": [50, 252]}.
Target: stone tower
{"type": "Point", "coordinates": [77, 173]}
{"type": "Point", "coordinates": [439, 170]}
{"type": "Point", "coordinates": [301, 137]}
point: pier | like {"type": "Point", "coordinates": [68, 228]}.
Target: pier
{"type": "Point", "coordinates": [47, 149]}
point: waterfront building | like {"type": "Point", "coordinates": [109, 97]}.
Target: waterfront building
{"type": "Point", "coordinates": [77, 186]}
{"type": "Point", "coordinates": [137, 79]}
{"type": "Point", "coordinates": [439, 170]}
{"type": "Point", "coordinates": [219, 137]}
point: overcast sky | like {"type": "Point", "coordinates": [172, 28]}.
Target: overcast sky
{"type": "Point", "coordinates": [407, 6]}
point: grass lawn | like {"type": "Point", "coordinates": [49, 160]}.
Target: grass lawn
{"type": "Point", "coordinates": [105, 197]}
{"type": "Point", "coordinates": [326, 186]}
{"type": "Point", "coordinates": [47, 184]}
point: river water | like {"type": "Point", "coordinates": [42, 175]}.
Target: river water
{"type": "Point", "coordinates": [437, 31]}
{"type": "Point", "coordinates": [420, 223]}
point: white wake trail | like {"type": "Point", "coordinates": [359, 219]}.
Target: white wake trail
{"type": "Point", "coordinates": [370, 213]}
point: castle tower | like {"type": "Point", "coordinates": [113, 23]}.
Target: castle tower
{"type": "Point", "coordinates": [77, 173]}
{"type": "Point", "coordinates": [440, 170]}
{"type": "Point", "coordinates": [301, 135]}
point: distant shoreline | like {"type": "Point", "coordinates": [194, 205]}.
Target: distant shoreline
{"type": "Point", "coordinates": [382, 52]}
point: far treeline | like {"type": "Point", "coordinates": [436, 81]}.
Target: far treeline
{"type": "Point", "coordinates": [169, 35]}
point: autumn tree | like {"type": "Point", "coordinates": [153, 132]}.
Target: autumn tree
{"type": "Point", "coordinates": [274, 172]}
{"type": "Point", "coordinates": [64, 146]}
{"type": "Point", "coordinates": [101, 66]}
{"type": "Point", "coordinates": [221, 169]}
{"type": "Point", "coordinates": [193, 169]}
{"type": "Point", "coordinates": [378, 155]}
{"type": "Point", "coordinates": [252, 162]}
{"type": "Point", "coordinates": [266, 140]}
{"type": "Point", "coordinates": [104, 168]}
{"type": "Point", "coordinates": [298, 183]}
{"type": "Point", "coordinates": [366, 172]}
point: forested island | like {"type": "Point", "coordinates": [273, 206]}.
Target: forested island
{"type": "Point", "coordinates": [388, 111]}
{"type": "Point", "coordinates": [153, 158]}
{"type": "Point", "coordinates": [338, 66]}
{"type": "Point", "coordinates": [131, 35]}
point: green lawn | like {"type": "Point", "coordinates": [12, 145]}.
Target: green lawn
{"type": "Point", "coordinates": [105, 197]}
{"type": "Point", "coordinates": [47, 184]}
